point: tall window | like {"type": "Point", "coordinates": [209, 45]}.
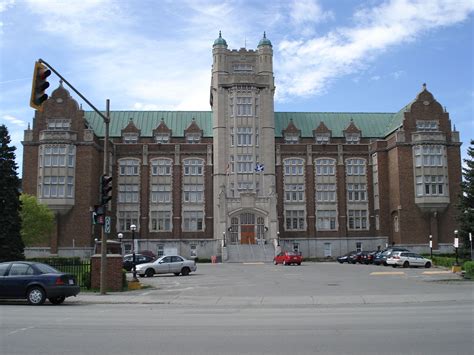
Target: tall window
{"type": "Point", "coordinates": [357, 219]}
{"type": "Point", "coordinates": [126, 219]}
{"type": "Point", "coordinates": [193, 166]}
{"type": "Point", "coordinates": [326, 192]}
{"type": "Point", "coordinates": [244, 136]}
{"type": "Point", "coordinates": [325, 167]}
{"type": "Point", "coordinates": [128, 167]}
{"type": "Point", "coordinates": [58, 155]}
{"type": "Point", "coordinates": [160, 193]}
{"type": "Point", "coordinates": [244, 106]}
{"type": "Point", "coordinates": [128, 193]}
{"type": "Point", "coordinates": [357, 192]}
{"type": "Point", "coordinates": [355, 166]}
{"type": "Point", "coordinates": [430, 185]}
{"type": "Point", "coordinates": [245, 163]}
{"type": "Point", "coordinates": [428, 155]}
{"type": "Point", "coordinates": [193, 220]}
{"type": "Point", "coordinates": [294, 192]}
{"type": "Point", "coordinates": [193, 192]}
{"type": "Point", "coordinates": [55, 186]}
{"type": "Point", "coordinates": [161, 167]}
{"type": "Point", "coordinates": [294, 166]}
{"type": "Point", "coordinates": [161, 221]}
{"type": "Point", "coordinates": [325, 220]}
{"type": "Point", "coordinates": [294, 220]}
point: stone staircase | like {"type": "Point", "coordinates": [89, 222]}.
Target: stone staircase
{"type": "Point", "coordinates": [245, 253]}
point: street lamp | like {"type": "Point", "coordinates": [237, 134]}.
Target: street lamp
{"type": "Point", "coordinates": [470, 242]}
{"type": "Point", "coordinates": [223, 239]}
{"type": "Point", "coordinates": [456, 245]}
{"type": "Point", "coordinates": [133, 228]}
{"type": "Point", "coordinates": [120, 236]}
{"type": "Point", "coordinates": [431, 247]}
{"type": "Point", "coordinates": [278, 239]}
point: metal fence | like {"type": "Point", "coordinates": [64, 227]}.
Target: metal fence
{"type": "Point", "coordinates": [81, 269]}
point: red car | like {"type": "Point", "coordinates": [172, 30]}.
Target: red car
{"type": "Point", "coordinates": [287, 258]}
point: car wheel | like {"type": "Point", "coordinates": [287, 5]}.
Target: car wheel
{"type": "Point", "coordinates": [341, 262]}
{"type": "Point", "coordinates": [36, 295]}
{"type": "Point", "coordinates": [299, 264]}
{"type": "Point", "coordinates": [394, 265]}
{"type": "Point", "coordinates": [149, 272]}
{"type": "Point", "coordinates": [428, 265]}
{"type": "Point", "coordinates": [57, 300]}
{"type": "Point", "coordinates": [185, 271]}
{"type": "Point", "coordinates": [406, 264]}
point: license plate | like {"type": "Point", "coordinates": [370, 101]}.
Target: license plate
{"type": "Point", "coordinates": [71, 282]}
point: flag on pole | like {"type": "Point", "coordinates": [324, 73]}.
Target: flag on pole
{"type": "Point", "coordinates": [227, 170]}
{"type": "Point", "coordinates": [259, 167]}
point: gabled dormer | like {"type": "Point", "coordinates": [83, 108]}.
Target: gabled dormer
{"type": "Point", "coordinates": [291, 134]}
{"type": "Point", "coordinates": [322, 134]}
{"type": "Point", "coordinates": [193, 133]}
{"type": "Point", "coordinates": [162, 133]}
{"type": "Point", "coordinates": [130, 133]}
{"type": "Point", "coordinates": [352, 133]}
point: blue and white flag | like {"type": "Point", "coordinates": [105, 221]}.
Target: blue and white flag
{"type": "Point", "coordinates": [259, 167]}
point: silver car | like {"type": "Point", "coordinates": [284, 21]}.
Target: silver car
{"type": "Point", "coordinates": [168, 264]}
{"type": "Point", "coordinates": [407, 259]}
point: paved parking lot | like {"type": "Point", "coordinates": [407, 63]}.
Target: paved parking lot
{"type": "Point", "coordinates": [316, 280]}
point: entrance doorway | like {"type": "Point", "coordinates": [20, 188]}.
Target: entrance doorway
{"type": "Point", "coordinates": [246, 228]}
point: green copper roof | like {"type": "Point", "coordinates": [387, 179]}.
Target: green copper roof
{"type": "Point", "coordinates": [220, 41]}
{"type": "Point", "coordinates": [147, 121]}
{"type": "Point", "coordinates": [372, 125]}
{"type": "Point", "coordinates": [264, 41]}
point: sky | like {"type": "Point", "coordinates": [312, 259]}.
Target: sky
{"type": "Point", "coordinates": [329, 55]}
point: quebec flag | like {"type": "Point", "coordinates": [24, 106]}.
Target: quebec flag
{"type": "Point", "coordinates": [259, 167]}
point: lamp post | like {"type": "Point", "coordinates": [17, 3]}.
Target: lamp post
{"type": "Point", "coordinates": [223, 239]}
{"type": "Point", "coordinates": [456, 245]}
{"type": "Point", "coordinates": [278, 239]}
{"type": "Point", "coordinates": [431, 247]}
{"type": "Point", "coordinates": [133, 228]}
{"type": "Point", "coordinates": [470, 242]}
{"type": "Point", "coordinates": [120, 236]}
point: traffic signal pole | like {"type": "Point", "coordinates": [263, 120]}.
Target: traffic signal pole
{"type": "Point", "coordinates": [103, 255]}
{"type": "Point", "coordinates": [106, 118]}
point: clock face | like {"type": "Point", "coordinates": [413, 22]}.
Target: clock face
{"type": "Point", "coordinates": [426, 103]}
{"type": "Point", "coordinates": [59, 100]}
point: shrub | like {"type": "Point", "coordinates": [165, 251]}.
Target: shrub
{"type": "Point", "coordinates": [469, 268]}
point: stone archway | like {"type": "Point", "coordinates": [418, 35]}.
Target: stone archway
{"type": "Point", "coordinates": [247, 228]}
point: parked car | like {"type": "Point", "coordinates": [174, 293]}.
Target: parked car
{"type": "Point", "coordinates": [381, 257]}
{"type": "Point", "coordinates": [288, 258]}
{"type": "Point", "coordinates": [35, 282]}
{"type": "Point", "coordinates": [358, 257]}
{"type": "Point", "coordinates": [127, 263]}
{"type": "Point", "coordinates": [407, 259]}
{"type": "Point", "coordinates": [168, 264]}
{"type": "Point", "coordinates": [368, 257]}
{"type": "Point", "coordinates": [345, 258]}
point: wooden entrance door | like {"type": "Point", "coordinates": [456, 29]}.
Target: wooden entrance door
{"type": "Point", "coordinates": [247, 234]}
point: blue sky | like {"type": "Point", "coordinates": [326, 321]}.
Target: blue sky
{"type": "Point", "coordinates": [336, 56]}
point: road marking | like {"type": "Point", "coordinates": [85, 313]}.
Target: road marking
{"type": "Point", "coordinates": [259, 263]}
{"type": "Point", "coordinates": [436, 272]}
{"type": "Point", "coordinates": [388, 273]}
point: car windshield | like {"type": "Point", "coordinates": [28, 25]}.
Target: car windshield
{"type": "Point", "coordinates": [46, 269]}
{"type": "Point", "coordinates": [290, 253]}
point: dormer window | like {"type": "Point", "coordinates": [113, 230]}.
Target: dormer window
{"type": "Point", "coordinates": [292, 138]}
{"type": "Point", "coordinates": [322, 138]}
{"type": "Point", "coordinates": [130, 138]}
{"type": "Point", "coordinates": [162, 138]}
{"type": "Point", "coordinates": [193, 137]}
{"type": "Point", "coordinates": [352, 138]}
{"type": "Point", "coordinates": [427, 126]}
{"type": "Point", "coordinates": [58, 124]}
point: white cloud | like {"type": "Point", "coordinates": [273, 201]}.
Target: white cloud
{"type": "Point", "coordinates": [312, 64]}
{"type": "Point", "coordinates": [308, 11]}
{"type": "Point", "coordinates": [14, 120]}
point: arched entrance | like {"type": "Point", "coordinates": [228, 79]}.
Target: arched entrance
{"type": "Point", "coordinates": [247, 228]}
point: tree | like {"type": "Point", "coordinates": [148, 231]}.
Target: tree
{"type": "Point", "coordinates": [11, 244]}
{"type": "Point", "coordinates": [37, 221]}
{"type": "Point", "coordinates": [466, 205]}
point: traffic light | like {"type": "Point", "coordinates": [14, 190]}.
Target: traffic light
{"type": "Point", "coordinates": [105, 188]}
{"type": "Point", "coordinates": [98, 215]}
{"type": "Point", "coordinates": [39, 86]}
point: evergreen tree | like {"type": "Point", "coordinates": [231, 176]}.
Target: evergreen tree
{"type": "Point", "coordinates": [11, 244]}
{"type": "Point", "coordinates": [466, 206]}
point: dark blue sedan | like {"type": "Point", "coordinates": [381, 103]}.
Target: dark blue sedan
{"type": "Point", "coordinates": [35, 282]}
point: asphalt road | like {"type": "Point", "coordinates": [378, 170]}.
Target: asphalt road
{"type": "Point", "coordinates": [257, 309]}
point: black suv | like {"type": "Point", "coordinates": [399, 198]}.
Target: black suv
{"type": "Point", "coordinates": [127, 263]}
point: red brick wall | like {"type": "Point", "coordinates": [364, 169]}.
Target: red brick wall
{"type": "Point", "coordinates": [113, 272]}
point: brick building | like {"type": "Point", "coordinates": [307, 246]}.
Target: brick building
{"type": "Point", "coordinates": [205, 182]}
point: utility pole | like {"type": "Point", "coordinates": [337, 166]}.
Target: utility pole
{"type": "Point", "coordinates": [103, 255]}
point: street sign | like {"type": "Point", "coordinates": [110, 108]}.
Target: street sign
{"type": "Point", "coordinates": [107, 224]}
